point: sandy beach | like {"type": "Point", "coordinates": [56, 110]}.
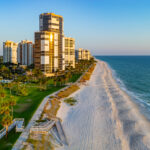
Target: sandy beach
{"type": "Point", "coordinates": [105, 118]}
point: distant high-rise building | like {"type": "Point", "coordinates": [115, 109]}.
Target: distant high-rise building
{"type": "Point", "coordinates": [10, 52]}
{"type": "Point", "coordinates": [83, 54]}
{"type": "Point", "coordinates": [69, 49]}
{"type": "Point", "coordinates": [25, 53]}
{"type": "Point", "coordinates": [48, 52]}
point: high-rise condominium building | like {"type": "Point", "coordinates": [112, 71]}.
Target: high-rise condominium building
{"type": "Point", "coordinates": [48, 52]}
{"type": "Point", "coordinates": [83, 54]}
{"type": "Point", "coordinates": [87, 55]}
{"type": "Point", "coordinates": [25, 53]}
{"type": "Point", "coordinates": [10, 52]}
{"type": "Point", "coordinates": [69, 49]}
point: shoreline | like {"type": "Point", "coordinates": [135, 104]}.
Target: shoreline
{"type": "Point", "coordinates": [143, 106]}
{"type": "Point", "coordinates": [130, 128]}
{"type": "Point", "coordinates": [36, 116]}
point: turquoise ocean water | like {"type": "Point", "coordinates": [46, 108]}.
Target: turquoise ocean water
{"type": "Point", "coordinates": [132, 73]}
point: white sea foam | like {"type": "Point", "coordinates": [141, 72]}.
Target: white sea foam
{"type": "Point", "coordinates": [105, 117]}
{"type": "Point", "coordinates": [143, 105]}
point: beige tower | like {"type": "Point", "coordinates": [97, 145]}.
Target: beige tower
{"type": "Point", "coordinates": [48, 52]}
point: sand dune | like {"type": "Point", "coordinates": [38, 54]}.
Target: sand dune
{"type": "Point", "coordinates": [105, 117]}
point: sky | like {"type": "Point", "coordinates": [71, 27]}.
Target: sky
{"type": "Point", "coordinates": [105, 27]}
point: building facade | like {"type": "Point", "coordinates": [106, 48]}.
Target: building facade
{"type": "Point", "coordinates": [83, 54]}
{"type": "Point", "coordinates": [69, 50]}
{"type": "Point", "coordinates": [10, 52]}
{"type": "Point", "coordinates": [48, 52]}
{"type": "Point", "coordinates": [25, 53]}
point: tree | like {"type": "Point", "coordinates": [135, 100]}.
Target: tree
{"type": "Point", "coordinates": [4, 110]}
{"type": "Point", "coordinates": [37, 73]}
{"type": "Point", "coordinates": [10, 86]}
{"type": "Point", "coordinates": [6, 122]}
{"type": "Point", "coordinates": [2, 93]}
{"type": "Point", "coordinates": [12, 103]}
{"type": "Point", "coordinates": [5, 72]}
{"type": "Point", "coordinates": [55, 80]}
{"type": "Point", "coordinates": [67, 76]}
{"type": "Point", "coordinates": [62, 80]}
{"type": "Point", "coordinates": [43, 83]}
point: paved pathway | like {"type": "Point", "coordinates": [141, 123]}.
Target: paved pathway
{"type": "Point", "coordinates": [24, 136]}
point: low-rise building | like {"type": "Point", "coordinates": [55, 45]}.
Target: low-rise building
{"type": "Point", "coordinates": [69, 50]}
{"type": "Point", "coordinates": [10, 52]}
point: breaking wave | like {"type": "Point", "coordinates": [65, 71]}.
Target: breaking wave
{"type": "Point", "coordinates": [132, 128]}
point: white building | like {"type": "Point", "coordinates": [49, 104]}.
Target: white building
{"type": "Point", "coordinates": [83, 54]}
{"type": "Point", "coordinates": [10, 52]}
{"type": "Point", "coordinates": [25, 53]}
{"type": "Point", "coordinates": [69, 50]}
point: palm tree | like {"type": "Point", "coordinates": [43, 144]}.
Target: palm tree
{"type": "Point", "coordinates": [43, 82]}
{"type": "Point", "coordinates": [6, 121]}
{"type": "Point", "coordinates": [4, 104]}
{"type": "Point", "coordinates": [12, 103]}
{"type": "Point", "coordinates": [37, 73]}
{"type": "Point", "coordinates": [10, 86]}
{"type": "Point", "coordinates": [15, 76]}
{"type": "Point", "coordinates": [62, 80]}
{"type": "Point", "coordinates": [2, 93]}
{"type": "Point", "coordinates": [4, 110]}
{"type": "Point", "coordinates": [14, 69]}
{"type": "Point", "coordinates": [55, 80]}
{"type": "Point", "coordinates": [17, 87]}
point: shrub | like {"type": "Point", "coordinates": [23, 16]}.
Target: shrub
{"type": "Point", "coordinates": [71, 101]}
{"type": "Point", "coordinates": [68, 91]}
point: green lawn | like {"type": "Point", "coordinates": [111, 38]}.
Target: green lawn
{"type": "Point", "coordinates": [26, 106]}
{"type": "Point", "coordinates": [75, 77]}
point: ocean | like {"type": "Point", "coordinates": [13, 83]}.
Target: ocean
{"type": "Point", "coordinates": [132, 73]}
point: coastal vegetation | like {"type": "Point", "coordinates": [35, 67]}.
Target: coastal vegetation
{"type": "Point", "coordinates": [21, 96]}
{"type": "Point", "coordinates": [68, 91]}
{"type": "Point", "coordinates": [88, 74]}
{"type": "Point", "coordinates": [71, 101]}
{"type": "Point", "coordinates": [24, 108]}
{"type": "Point", "coordinates": [54, 104]}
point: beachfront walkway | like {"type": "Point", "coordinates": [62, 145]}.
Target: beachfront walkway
{"type": "Point", "coordinates": [104, 118]}
{"type": "Point", "coordinates": [24, 136]}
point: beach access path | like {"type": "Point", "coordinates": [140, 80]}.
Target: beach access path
{"type": "Point", "coordinates": [105, 118]}
{"type": "Point", "coordinates": [24, 135]}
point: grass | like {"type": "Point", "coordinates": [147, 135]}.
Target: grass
{"type": "Point", "coordinates": [71, 101]}
{"type": "Point", "coordinates": [26, 105]}
{"type": "Point", "coordinates": [6, 144]}
{"type": "Point", "coordinates": [75, 77]}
